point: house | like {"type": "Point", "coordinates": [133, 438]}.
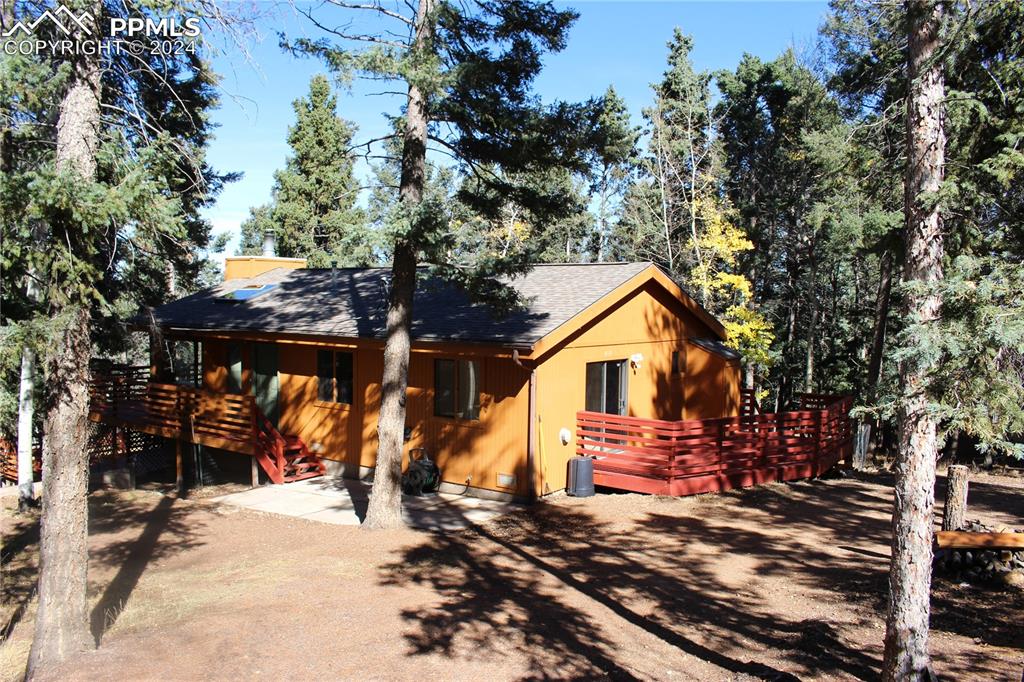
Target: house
{"type": "Point", "coordinates": [492, 401]}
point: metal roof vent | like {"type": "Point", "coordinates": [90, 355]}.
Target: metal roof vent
{"type": "Point", "coordinates": [269, 244]}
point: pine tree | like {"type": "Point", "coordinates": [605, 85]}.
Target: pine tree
{"type": "Point", "coordinates": [519, 232]}
{"type": "Point", "coordinates": [680, 170]}
{"type": "Point", "coordinates": [983, 121]}
{"type": "Point", "coordinates": [102, 208]}
{"type": "Point", "coordinates": [62, 618]}
{"type": "Point", "coordinates": [612, 171]}
{"type": "Point", "coordinates": [467, 70]}
{"type": "Point", "coordinates": [768, 113]}
{"type": "Point", "coordinates": [910, 567]}
{"type": "Point", "coordinates": [677, 215]}
{"type": "Point", "coordinates": [313, 212]}
{"type": "Point", "coordinates": [25, 92]}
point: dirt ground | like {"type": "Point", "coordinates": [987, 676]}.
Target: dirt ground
{"type": "Point", "coordinates": [778, 582]}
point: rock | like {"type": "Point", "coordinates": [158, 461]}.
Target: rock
{"type": "Point", "coordinates": [120, 479]}
{"type": "Point", "coordinates": [1014, 579]}
{"type": "Point", "coordinates": [1005, 556]}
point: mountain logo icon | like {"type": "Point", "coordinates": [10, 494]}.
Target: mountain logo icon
{"type": "Point", "coordinates": [64, 19]}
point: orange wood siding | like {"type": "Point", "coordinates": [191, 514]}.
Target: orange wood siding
{"type": "Point", "coordinates": [650, 322]}
{"type": "Point", "coordinates": [244, 267]}
{"type": "Point", "coordinates": [474, 450]}
{"type": "Point", "coordinates": [468, 451]}
{"type": "Point", "coordinates": [712, 385]}
{"type": "Point", "coordinates": [215, 370]}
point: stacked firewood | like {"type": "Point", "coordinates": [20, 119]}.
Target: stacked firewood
{"type": "Point", "coordinates": [982, 566]}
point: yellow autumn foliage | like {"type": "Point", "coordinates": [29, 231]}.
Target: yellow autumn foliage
{"type": "Point", "coordinates": [725, 291]}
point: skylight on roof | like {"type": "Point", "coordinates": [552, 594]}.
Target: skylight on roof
{"type": "Point", "coordinates": [247, 293]}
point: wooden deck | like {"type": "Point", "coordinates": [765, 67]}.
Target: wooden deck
{"type": "Point", "coordinates": [126, 397]}
{"type": "Point", "coordinates": [178, 412]}
{"type": "Point", "coordinates": [696, 456]}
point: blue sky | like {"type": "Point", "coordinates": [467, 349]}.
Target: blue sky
{"type": "Point", "coordinates": [614, 42]}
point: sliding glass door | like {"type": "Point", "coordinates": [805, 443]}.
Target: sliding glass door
{"type": "Point", "coordinates": [607, 387]}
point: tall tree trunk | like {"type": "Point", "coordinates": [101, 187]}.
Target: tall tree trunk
{"type": "Point", "coordinates": [62, 623]}
{"type": "Point", "coordinates": [26, 413]}
{"type": "Point", "coordinates": [385, 507]}
{"type": "Point", "coordinates": [865, 429]}
{"type": "Point", "coordinates": [881, 315]}
{"type": "Point", "coordinates": [812, 340]}
{"type": "Point", "coordinates": [906, 633]}
{"type": "Point", "coordinates": [26, 384]}
{"type": "Point", "coordinates": [812, 329]}
{"type": "Point", "coordinates": [782, 395]}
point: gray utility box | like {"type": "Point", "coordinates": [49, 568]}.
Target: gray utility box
{"type": "Point", "coordinates": [581, 477]}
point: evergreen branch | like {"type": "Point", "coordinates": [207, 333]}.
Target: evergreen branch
{"type": "Point", "coordinates": [376, 7]}
{"type": "Point", "coordinates": [341, 32]}
{"type": "Point", "coordinates": [370, 142]}
{"type": "Point", "coordinates": [455, 154]}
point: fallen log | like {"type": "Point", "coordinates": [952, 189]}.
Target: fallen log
{"type": "Point", "coordinates": [954, 539]}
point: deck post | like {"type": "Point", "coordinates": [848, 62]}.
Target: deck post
{"type": "Point", "coordinates": [179, 467]}
{"type": "Point", "coordinates": [255, 472]}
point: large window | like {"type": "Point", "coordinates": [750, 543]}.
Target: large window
{"type": "Point", "coordinates": [457, 389]}
{"type": "Point", "coordinates": [186, 366]}
{"type": "Point", "coordinates": [334, 377]}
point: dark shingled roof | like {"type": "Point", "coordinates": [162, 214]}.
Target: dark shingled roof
{"type": "Point", "coordinates": [350, 302]}
{"type": "Point", "coordinates": [718, 347]}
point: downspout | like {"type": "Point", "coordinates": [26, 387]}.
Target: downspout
{"type": "Point", "coordinates": [530, 426]}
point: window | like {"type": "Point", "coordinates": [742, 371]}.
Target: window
{"type": "Point", "coordinates": [457, 389]}
{"type": "Point", "coordinates": [334, 377]}
{"type": "Point", "coordinates": [678, 362]}
{"type": "Point", "coordinates": [607, 387]}
{"type": "Point", "coordinates": [234, 368]}
{"type": "Point", "coordinates": [186, 363]}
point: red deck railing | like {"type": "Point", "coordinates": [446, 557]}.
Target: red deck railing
{"type": "Point", "coordinates": [696, 456]}
{"type": "Point", "coordinates": [125, 396]}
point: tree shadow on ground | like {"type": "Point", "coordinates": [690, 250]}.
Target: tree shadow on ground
{"type": "Point", "coordinates": [18, 570]}
{"type": "Point", "coordinates": [113, 543]}
{"type": "Point", "coordinates": [542, 581]}
{"type": "Point", "coordinates": [167, 529]}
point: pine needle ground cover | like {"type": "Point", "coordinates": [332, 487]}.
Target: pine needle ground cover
{"type": "Point", "coordinates": [782, 578]}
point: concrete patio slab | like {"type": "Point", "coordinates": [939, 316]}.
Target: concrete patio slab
{"type": "Point", "coordinates": [343, 502]}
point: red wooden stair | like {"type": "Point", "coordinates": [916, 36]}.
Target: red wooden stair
{"type": "Point", "coordinates": [283, 458]}
{"type": "Point", "coordinates": [300, 463]}
{"type": "Point", "coordinates": [128, 398]}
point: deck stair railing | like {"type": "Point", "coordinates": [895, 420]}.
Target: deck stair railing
{"type": "Point", "coordinates": [748, 402]}
{"type": "Point", "coordinates": [125, 396]}
{"type": "Point", "coordinates": [693, 456]}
